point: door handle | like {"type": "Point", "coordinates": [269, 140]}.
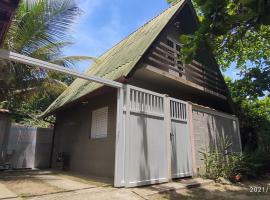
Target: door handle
{"type": "Point", "coordinates": [171, 135]}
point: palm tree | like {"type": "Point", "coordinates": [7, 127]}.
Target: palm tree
{"type": "Point", "coordinates": [40, 29]}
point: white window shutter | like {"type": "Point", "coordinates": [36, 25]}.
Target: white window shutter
{"type": "Point", "coordinates": [99, 123]}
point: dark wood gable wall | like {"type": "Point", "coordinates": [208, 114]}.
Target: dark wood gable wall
{"type": "Point", "coordinates": [200, 82]}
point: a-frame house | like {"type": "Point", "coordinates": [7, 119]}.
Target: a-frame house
{"type": "Point", "coordinates": [169, 110]}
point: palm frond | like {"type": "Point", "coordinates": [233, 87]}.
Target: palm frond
{"type": "Point", "coordinates": [40, 23]}
{"type": "Point", "coordinates": [70, 61]}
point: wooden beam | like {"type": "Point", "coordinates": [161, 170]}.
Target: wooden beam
{"type": "Point", "coordinates": [200, 66]}
{"type": "Point", "coordinates": [202, 71]}
{"type": "Point", "coordinates": [167, 66]}
{"type": "Point", "coordinates": [184, 81]}
{"type": "Point", "coordinates": [195, 65]}
{"type": "Point", "coordinates": [194, 77]}
{"type": "Point", "coordinates": [168, 47]}
{"type": "Point", "coordinates": [167, 59]}
{"type": "Point", "coordinates": [206, 85]}
{"type": "Point", "coordinates": [204, 78]}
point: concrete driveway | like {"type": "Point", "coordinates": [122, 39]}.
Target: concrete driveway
{"type": "Point", "coordinates": [50, 185]}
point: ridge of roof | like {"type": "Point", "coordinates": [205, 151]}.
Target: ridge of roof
{"type": "Point", "coordinates": [117, 61]}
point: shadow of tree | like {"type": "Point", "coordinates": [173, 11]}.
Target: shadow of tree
{"type": "Point", "coordinates": [216, 192]}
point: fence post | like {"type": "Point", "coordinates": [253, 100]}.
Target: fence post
{"type": "Point", "coordinates": [127, 132]}
{"type": "Point", "coordinates": [119, 171]}
{"type": "Point", "coordinates": [167, 120]}
{"type": "Point", "coordinates": [191, 135]}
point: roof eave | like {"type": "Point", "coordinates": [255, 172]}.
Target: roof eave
{"type": "Point", "coordinates": [96, 92]}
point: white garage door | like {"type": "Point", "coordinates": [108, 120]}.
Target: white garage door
{"type": "Point", "coordinates": [146, 146]}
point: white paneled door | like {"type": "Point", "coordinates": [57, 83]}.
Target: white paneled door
{"type": "Point", "coordinates": [181, 155]}
{"type": "Point", "coordinates": [154, 145]}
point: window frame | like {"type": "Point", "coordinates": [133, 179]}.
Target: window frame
{"type": "Point", "coordinates": [96, 122]}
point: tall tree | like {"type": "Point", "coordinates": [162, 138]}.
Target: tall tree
{"type": "Point", "coordinates": [238, 32]}
{"type": "Point", "coordinates": [40, 29]}
{"type": "Point", "coordinates": [254, 115]}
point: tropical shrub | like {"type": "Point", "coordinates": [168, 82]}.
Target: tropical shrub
{"type": "Point", "coordinates": [221, 162]}
{"type": "Point", "coordinates": [39, 29]}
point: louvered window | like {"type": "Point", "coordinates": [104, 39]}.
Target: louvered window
{"type": "Point", "coordinates": [99, 123]}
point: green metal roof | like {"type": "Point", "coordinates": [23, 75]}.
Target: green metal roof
{"type": "Point", "coordinates": [118, 61]}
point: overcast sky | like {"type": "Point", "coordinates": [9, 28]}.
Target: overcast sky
{"type": "Point", "coordinates": [103, 23]}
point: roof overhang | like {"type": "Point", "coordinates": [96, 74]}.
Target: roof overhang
{"type": "Point", "coordinates": [88, 97]}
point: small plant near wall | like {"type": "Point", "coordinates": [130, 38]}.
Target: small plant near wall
{"type": "Point", "coordinates": [220, 162]}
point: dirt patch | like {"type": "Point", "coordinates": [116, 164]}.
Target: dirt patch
{"type": "Point", "coordinates": [26, 187]}
{"type": "Point", "coordinates": [40, 182]}
{"type": "Point", "coordinates": [91, 180]}
{"type": "Point", "coordinates": [219, 192]}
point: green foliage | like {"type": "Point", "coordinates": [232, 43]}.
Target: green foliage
{"type": "Point", "coordinates": [258, 163]}
{"type": "Point", "coordinates": [217, 165]}
{"type": "Point", "coordinates": [27, 105]}
{"type": "Point", "coordinates": [39, 29]}
{"type": "Point", "coordinates": [254, 118]}
{"type": "Point", "coordinates": [228, 21]}
{"type": "Point", "coordinates": [252, 84]}
{"type": "Point", "coordinates": [253, 113]}
{"type": "Point", "coordinates": [238, 32]}
{"type": "Point", "coordinates": [236, 164]}
{"type": "Point", "coordinates": [246, 48]}
{"type": "Point", "coordinates": [25, 115]}
{"type": "Point", "coordinates": [219, 161]}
